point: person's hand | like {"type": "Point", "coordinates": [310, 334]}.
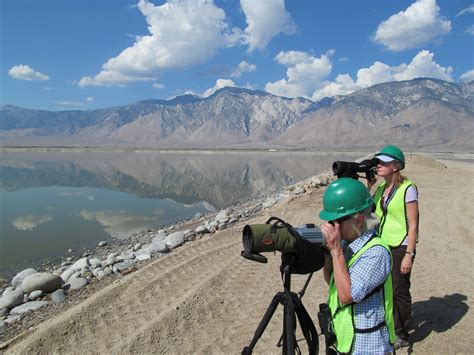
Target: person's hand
{"type": "Point", "coordinates": [332, 233]}
{"type": "Point", "coordinates": [406, 265]}
{"type": "Point", "coordinates": [372, 182]}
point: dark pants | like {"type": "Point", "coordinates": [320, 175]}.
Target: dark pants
{"type": "Point", "coordinates": [401, 294]}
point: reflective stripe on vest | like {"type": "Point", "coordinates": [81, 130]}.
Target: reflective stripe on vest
{"type": "Point", "coordinates": [343, 315]}
{"type": "Point", "coordinates": [393, 226]}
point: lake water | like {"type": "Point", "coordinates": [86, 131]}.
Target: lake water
{"type": "Point", "coordinates": [54, 201]}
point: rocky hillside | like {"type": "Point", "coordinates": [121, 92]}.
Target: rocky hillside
{"type": "Point", "coordinates": [427, 113]}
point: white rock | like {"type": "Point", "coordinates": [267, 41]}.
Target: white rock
{"type": "Point", "coordinates": [94, 263]}
{"type": "Point", "coordinates": [35, 294]}
{"type": "Point", "coordinates": [111, 259]}
{"type": "Point", "coordinates": [13, 318]}
{"type": "Point", "coordinates": [80, 264]}
{"type": "Point", "coordinates": [159, 247]}
{"type": "Point", "coordinates": [67, 274]}
{"type": "Point", "coordinates": [202, 230]}
{"type": "Point", "coordinates": [222, 216]}
{"type": "Point", "coordinates": [43, 281]}
{"type": "Point", "coordinates": [142, 257]}
{"type": "Point", "coordinates": [126, 256]}
{"type": "Point", "coordinates": [3, 324]}
{"type": "Point", "coordinates": [198, 215]}
{"type": "Point", "coordinates": [11, 298]}
{"type": "Point", "coordinates": [58, 296]}
{"type": "Point", "coordinates": [18, 279]}
{"type": "Point", "coordinates": [124, 265]}
{"type": "Point", "coordinates": [103, 273]}
{"type": "Point", "coordinates": [136, 247]}
{"type": "Point", "coordinates": [159, 238]}
{"type": "Point", "coordinates": [102, 243]}
{"type": "Point", "coordinates": [28, 307]}
{"type": "Point", "coordinates": [299, 191]}
{"type": "Point", "coordinates": [76, 283]}
{"type": "Point", "coordinates": [174, 240]}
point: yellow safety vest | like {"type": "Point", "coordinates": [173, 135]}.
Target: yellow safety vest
{"type": "Point", "coordinates": [393, 226]}
{"type": "Point", "coordinates": [342, 315]}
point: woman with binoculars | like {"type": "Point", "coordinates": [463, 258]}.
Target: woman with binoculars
{"type": "Point", "coordinates": [396, 205]}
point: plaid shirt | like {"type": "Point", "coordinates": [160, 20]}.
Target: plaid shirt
{"type": "Point", "coordinates": [368, 272]}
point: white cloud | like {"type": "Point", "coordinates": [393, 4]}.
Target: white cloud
{"type": "Point", "coordinates": [89, 99]}
{"type": "Point", "coordinates": [242, 68]}
{"type": "Point", "coordinates": [422, 65]}
{"type": "Point", "coordinates": [467, 10]}
{"type": "Point", "coordinates": [182, 34]}
{"type": "Point", "coordinates": [47, 88]}
{"type": "Point", "coordinates": [24, 72]}
{"type": "Point", "coordinates": [418, 25]}
{"type": "Point", "coordinates": [470, 30]}
{"type": "Point", "coordinates": [467, 76]}
{"type": "Point", "coordinates": [265, 20]}
{"type": "Point", "coordinates": [119, 224]}
{"type": "Point", "coordinates": [158, 86]}
{"type": "Point", "coordinates": [30, 222]}
{"type": "Point", "coordinates": [305, 73]}
{"type": "Point", "coordinates": [220, 83]}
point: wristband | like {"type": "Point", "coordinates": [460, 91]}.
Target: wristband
{"type": "Point", "coordinates": [412, 253]}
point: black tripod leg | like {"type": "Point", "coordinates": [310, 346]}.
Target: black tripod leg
{"type": "Point", "coordinates": [263, 323]}
{"type": "Point", "coordinates": [289, 326]}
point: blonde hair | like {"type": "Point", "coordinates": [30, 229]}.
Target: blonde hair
{"type": "Point", "coordinates": [398, 178]}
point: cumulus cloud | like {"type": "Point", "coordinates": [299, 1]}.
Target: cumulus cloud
{"type": "Point", "coordinates": [265, 20]}
{"type": "Point", "coordinates": [89, 99]}
{"type": "Point", "coordinates": [24, 72]}
{"type": "Point", "coordinates": [305, 73]}
{"type": "Point", "coordinates": [182, 34]}
{"type": "Point", "coordinates": [422, 65]}
{"type": "Point", "coordinates": [418, 25]}
{"type": "Point", "coordinates": [220, 83]}
{"type": "Point", "coordinates": [467, 10]}
{"type": "Point", "coordinates": [242, 68]}
{"type": "Point", "coordinates": [467, 76]}
{"type": "Point", "coordinates": [29, 222]}
{"type": "Point", "coordinates": [118, 224]}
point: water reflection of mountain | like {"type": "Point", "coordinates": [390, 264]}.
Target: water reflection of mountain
{"type": "Point", "coordinates": [220, 179]}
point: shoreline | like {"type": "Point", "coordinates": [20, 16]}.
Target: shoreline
{"type": "Point", "coordinates": [193, 229]}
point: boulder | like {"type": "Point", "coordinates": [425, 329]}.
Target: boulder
{"type": "Point", "coordinates": [80, 264]}
{"type": "Point", "coordinates": [18, 279]}
{"type": "Point", "coordinates": [43, 281]}
{"type": "Point", "coordinates": [58, 296]}
{"type": "Point", "coordinates": [202, 230]}
{"type": "Point", "coordinates": [102, 243]}
{"type": "Point", "coordinates": [76, 283]}
{"type": "Point", "coordinates": [174, 240]}
{"type": "Point", "coordinates": [142, 257]}
{"type": "Point", "coordinates": [67, 274]}
{"type": "Point", "coordinates": [158, 247]}
{"type": "Point", "coordinates": [124, 265]}
{"type": "Point", "coordinates": [35, 294]}
{"type": "Point", "coordinates": [11, 298]}
{"type": "Point", "coordinates": [28, 307]}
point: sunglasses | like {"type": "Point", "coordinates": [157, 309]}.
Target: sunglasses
{"type": "Point", "coordinates": [340, 220]}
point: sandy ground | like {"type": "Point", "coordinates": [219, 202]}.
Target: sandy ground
{"type": "Point", "coordinates": [205, 298]}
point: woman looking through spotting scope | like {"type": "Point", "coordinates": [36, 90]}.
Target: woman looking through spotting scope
{"type": "Point", "coordinates": [396, 204]}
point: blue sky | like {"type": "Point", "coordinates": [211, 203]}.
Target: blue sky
{"type": "Point", "coordinates": [88, 54]}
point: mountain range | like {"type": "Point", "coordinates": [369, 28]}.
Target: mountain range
{"type": "Point", "coordinates": [421, 113]}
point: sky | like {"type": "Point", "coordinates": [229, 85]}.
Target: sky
{"type": "Point", "coordinates": [90, 54]}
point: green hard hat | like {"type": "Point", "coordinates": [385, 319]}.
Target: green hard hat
{"type": "Point", "coordinates": [344, 197]}
{"type": "Point", "coordinates": [390, 151]}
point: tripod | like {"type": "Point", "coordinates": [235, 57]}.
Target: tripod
{"type": "Point", "coordinates": [292, 307]}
